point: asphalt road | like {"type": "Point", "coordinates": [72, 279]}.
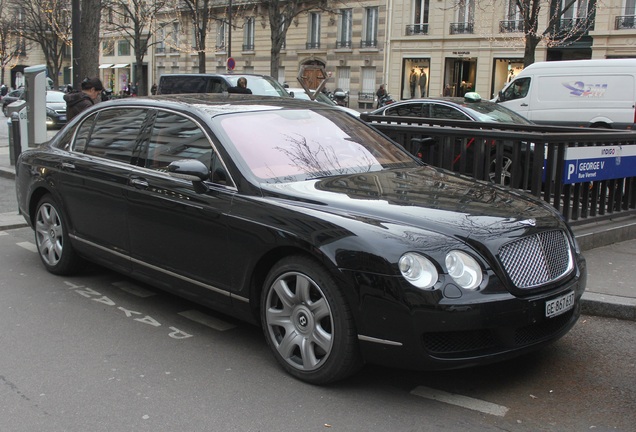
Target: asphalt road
{"type": "Point", "coordinates": [99, 352]}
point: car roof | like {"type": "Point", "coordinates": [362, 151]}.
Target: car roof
{"type": "Point", "coordinates": [215, 103]}
{"type": "Point", "coordinates": [468, 107]}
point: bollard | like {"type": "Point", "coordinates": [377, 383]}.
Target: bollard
{"type": "Point", "coordinates": [16, 141]}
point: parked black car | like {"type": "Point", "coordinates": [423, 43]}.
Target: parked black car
{"type": "Point", "coordinates": [55, 109]}
{"type": "Point", "coordinates": [55, 106]}
{"type": "Point", "coordinates": [468, 108]}
{"type": "Point", "coordinates": [262, 85]}
{"type": "Point", "coordinates": [296, 216]}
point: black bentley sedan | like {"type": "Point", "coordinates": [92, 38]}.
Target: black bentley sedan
{"type": "Point", "coordinates": [304, 220]}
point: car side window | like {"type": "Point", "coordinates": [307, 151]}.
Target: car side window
{"type": "Point", "coordinates": [175, 137]}
{"type": "Point", "coordinates": [517, 90]}
{"type": "Point", "coordinates": [446, 112]}
{"type": "Point", "coordinates": [83, 132]}
{"type": "Point", "coordinates": [405, 110]}
{"type": "Point", "coordinates": [115, 134]}
{"type": "Point", "coordinates": [216, 85]}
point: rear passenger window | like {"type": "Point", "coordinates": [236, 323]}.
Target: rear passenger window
{"type": "Point", "coordinates": [175, 137]}
{"type": "Point", "coordinates": [115, 134]}
{"type": "Point", "coordinates": [405, 110]}
{"type": "Point", "coordinates": [446, 112]}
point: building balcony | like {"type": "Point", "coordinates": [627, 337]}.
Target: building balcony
{"type": "Point", "coordinates": [579, 26]}
{"type": "Point", "coordinates": [416, 29]}
{"type": "Point", "coordinates": [312, 45]}
{"type": "Point", "coordinates": [343, 44]}
{"type": "Point", "coordinates": [514, 26]}
{"type": "Point", "coordinates": [369, 43]}
{"type": "Point", "coordinates": [462, 28]}
{"type": "Point", "coordinates": [248, 47]}
{"type": "Point", "coordinates": [625, 22]}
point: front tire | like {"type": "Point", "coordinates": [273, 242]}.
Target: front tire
{"type": "Point", "coordinates": [307, 322]}
{"type": "Point", "coordinates": [52, 240]}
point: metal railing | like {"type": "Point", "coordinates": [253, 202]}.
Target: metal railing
{"type": "Point", "coordinates": [625, 22]}
{"type": "Point", "coordinates": [461, 28]}
{"type": "Point", "coordinates": [534, 158]}
{"type": "Point", "coordinates": [511, 26]}
{"type": "Point", "coordinates": [416, 29]}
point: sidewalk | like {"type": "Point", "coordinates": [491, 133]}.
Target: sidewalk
{"type": "Point", "coordinates": [609, 247]}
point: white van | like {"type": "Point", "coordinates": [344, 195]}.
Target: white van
{"type": "Point", "coordinates": [590, 93]}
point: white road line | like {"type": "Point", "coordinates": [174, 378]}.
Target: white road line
{"type": "Point", "coordinates": [2, 233]}
{"type": "Point", "coordinates": [28, 246]}
{"type": "Point", "coordinates": [207, 320]}
{"type": "Point", "coordinates": [133, 289]}
{"type": "Point", "coordinates": [462, 401]}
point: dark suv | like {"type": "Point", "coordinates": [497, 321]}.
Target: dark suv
{"type": "Point", "coordinates": [262, 85]}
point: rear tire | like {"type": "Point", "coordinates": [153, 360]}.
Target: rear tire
{"type": "Point", "coordinates": [307, 322]}
{"type": "Point", "coordinates": [52, 240]}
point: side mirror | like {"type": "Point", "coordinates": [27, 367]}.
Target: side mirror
{"type": "Point", "coordinates": [500, 96]}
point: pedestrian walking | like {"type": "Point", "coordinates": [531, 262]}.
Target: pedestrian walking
{"type": "Point", "coordinates": [78, 101]}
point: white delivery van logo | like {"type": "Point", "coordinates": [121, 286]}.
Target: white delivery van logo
{"type": "Point", "coordinates": [580, 89]}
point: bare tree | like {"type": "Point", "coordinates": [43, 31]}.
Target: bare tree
{"type": "Point", "coordinates": [567, 21]}
{"type": "Point", "coordinates": [201, 13]}
{"type": "Point", "coordinates": [281, 14]}
{"type": "Point", "coordinates": [135, 19]}
{"type": "Point", "coordinates": [11, 44]}
{"type": "Point", "coordinates": [48, 24]}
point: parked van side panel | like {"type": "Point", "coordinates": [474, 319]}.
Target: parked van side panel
{"type": "Point", "coordinates": [590, 93]}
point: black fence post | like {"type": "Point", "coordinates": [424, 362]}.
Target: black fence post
{"type": "Point", "coordinates": [15, 137]}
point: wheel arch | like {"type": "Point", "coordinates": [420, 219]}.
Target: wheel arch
{"type": "Point", "coordinates": [267, 261]}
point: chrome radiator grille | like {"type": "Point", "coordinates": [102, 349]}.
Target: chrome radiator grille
{"type": "Point", "coordinates": [538, 259]}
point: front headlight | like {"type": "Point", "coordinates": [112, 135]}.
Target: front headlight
{"type": "Point", "coordinates": [418, 270]}
{"type": "Point", "coordinates": [464, 269]}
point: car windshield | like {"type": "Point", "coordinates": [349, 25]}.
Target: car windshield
{"type": "Point", "coordinates": [491, 112]}
{"type": "Point", "coordinates": [54, 96]}
{"type": "Point", "coordinates": [260, 85]}
{"type": "Point", "coordinates": [301, 144]}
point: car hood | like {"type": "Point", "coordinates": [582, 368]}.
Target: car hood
{"type": "Point", "coordinates": [426, 198]}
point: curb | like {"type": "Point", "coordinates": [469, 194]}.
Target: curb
{"type": "Point", "coordinates": [608, 306]}
{"type": "Point", "coordinates": [7, 173]}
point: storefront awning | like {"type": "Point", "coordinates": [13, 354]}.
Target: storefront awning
{"type": "Point", "coordinates": [105, 66]}
{"type": "Point", "coordinates": [120, 65]}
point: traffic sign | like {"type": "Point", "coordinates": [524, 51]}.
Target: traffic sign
{"type": "Point", "coordinates": [231, 64]}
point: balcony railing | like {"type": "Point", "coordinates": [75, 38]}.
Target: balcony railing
{"type": "Point", "coordinates": [581, 25]}
{"type": "Point", "coordinates": [312, 45]}
{"type": "Point", "coordinates": [369, 43]}
{"type": "Point", "coordinates": [625, 22]}
{"type": "Point", "coordinates": [248, 47]}
{"type": "Point", "coordinates": [343, 44]}
{"type": "Point", "coordinates": [513, 26]}
{"type": "Point", "coordinates": [160, 50]}
{"type": "Point", "coordinates": [462, 28]}
{"type": "Point", "coordinates": [416, 29]}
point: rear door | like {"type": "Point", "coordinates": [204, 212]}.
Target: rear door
{"type": "Point", "coordinates": [93, 179]}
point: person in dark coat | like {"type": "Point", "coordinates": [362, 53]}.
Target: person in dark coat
{"type": "Point", "coordinates": [78, 101]}
{"type": "Point", "coordinates": [241, 87]}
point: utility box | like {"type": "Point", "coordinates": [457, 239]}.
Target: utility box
{"type": "Point", "coordinates": [36, 84]}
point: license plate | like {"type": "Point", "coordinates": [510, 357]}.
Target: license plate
{"type": "Point", "coordinates": [559, 305]}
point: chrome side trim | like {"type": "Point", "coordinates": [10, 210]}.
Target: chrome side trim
{"type": "Point", "coordinates": [380, 341]}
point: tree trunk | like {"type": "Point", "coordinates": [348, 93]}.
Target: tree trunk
{"type": "Point", "coordinates": [529, 49]}
{"type": "Point", "coordinates": [91, 12]}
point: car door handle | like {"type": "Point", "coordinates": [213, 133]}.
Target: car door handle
{"type": "Point", "coordinates": [139, 183]}
{"type": "Point", "coordinates": [524, 104]}
{"type": "Point", "coordinates": [68, 166]}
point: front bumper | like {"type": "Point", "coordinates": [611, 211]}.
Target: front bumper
{"type": "Point", "coordinates": [424, 330]}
